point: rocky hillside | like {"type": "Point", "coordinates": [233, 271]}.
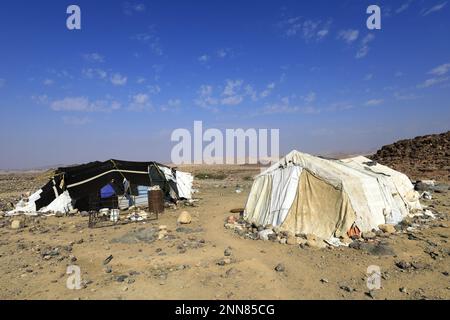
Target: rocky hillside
{"type": "Point", "coordinates": [426, 157]}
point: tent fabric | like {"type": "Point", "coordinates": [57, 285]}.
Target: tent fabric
{"type": "Point", "coordinates": [363, 197]}
{"type": "Point", "coordinates": [85, 180]}
{"type": "Point", "coordinates": [319, 208]}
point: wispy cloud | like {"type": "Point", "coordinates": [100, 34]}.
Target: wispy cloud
{"type": "Point", "coordinates": [205, 98]}
{"type": "Point", "coordinates": [285, 106]}
{"type": "Point", "coordinates": [373, 102]}
{"type": "Point", "coordinates": [48, 82]}
{"type": "Point", "coordinates": [435, 8]}
{"type": "Point", "coordinates": [368, 77]}
{"type": "Point", "coordinates": [151, 40]}
{"type": "Point", "coordinates": [140, 102]}
{"type": "Point", "coordinates": [118, 80]}
{"type": "Point", "coordinates": [130, 8]}
{"type": "Point", "coordinates": [83, 104]}
{"type": "Point", "coordinates": [93, 57]}
{"type": "Point", "coordinates": [403, 7]}
{"type": "Point", "coordinates": [432, 82]}
{"type": "Point", "coordinates": [204, 58]}
{"type": "Point", "coordinates": [349, 35]}
{"type": "Point", "coordinates": [305, 28]}
{"type": "Point", "coordinates": [440, 70]}
{"type": "Point", "coordinates": [91, 73]}
{"type": "Point", "coordinates": [364, 46]}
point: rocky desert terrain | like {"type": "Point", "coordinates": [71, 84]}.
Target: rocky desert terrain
{"type": "Point", "coordinates": [160, 259]}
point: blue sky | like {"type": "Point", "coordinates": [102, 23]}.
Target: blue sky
{"type": "Point", "coordinates": [139, 69]}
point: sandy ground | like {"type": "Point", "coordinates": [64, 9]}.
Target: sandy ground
{"type": "Point", "coordinates": [183, 265]}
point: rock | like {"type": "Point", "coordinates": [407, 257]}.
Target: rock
{"type": "Point", "coordinates": [387, 228]}
{"type": "Point", "coordinates": [316, 243]}
{"type": "Point", "coordinates": [347, 288]}
{"type": "Point", "coordinates": [283, 241]}
{"type": "Point", "coordinates": [368, 235]}
{"type": "Point", "coordinates": [17, 224]}
{"type": "Point", "coordinates": [108, 269]}
{"type": "Point", "coordinates": [323, 280]}
{"type": "Point", "coordinates": [231, 220]}
{"type": "Point", "coordinates": [403, 290]}
{"type": "Point", "coordinates": [162, 227]}
{"type": "Point", "coordinates": [231, 272]}
{"type": "Point", "coordinates": [280, 267]}
{"type": "Point", "coordinates": [184, 218]}
{"type": "Point", "coordinates": [426, 195]}
{"type": "Point", "coordinates": [264, 235]}
{"type": "Point", "coordinates": [107, 260]}
{"type": "Point", "coordinates": [291, 240]}
{"type": "Point", "coordinates": [224, 261]}
{"type": "Point", "coordinates": [228, 252]}
{"type": "Point", "coordinates": [73, 212]}
{"type": "Point", "coordinates": [121, 278]}
{"type": "Point", "coordinates": [424, 185]}
{"type": "Point", "coordinates": [403, 265]}
{"type": "Point", "coordinates": [300, 241]}
{"type": "Point", "coordinates": [162, 234]}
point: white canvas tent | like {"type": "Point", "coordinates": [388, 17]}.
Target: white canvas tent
{"type": "Point", "coordinates": [307, 194]}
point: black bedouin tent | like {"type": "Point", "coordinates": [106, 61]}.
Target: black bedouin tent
{"type": "Point", "coordinates": [84, 181]}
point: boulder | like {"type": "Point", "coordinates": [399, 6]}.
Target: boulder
{"type": "Point", "coordinates": [387, 228]}
{"type": "Point", "coordinates": [368, 235]}
{"type": "Point", "coordinates": [231, 220]}
{"type": "Point", "coordinates": [184, 218]}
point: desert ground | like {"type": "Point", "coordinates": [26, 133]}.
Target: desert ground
{"type": "Point", "coordinates": [204, 260]}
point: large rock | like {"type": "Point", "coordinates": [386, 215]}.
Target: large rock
{"type": "Point", "coordinates": [264, 235]}
{"type": "Point", "coordinates": [184, 218]}
{"type": "Point", "coordinates": [368, 235]}
{"type": "Point", "coordinates": [387, 228]}
{"type": "Point", "coordinates": [291, 239]}
{"type": "Point", "coordinates": [17, 224]}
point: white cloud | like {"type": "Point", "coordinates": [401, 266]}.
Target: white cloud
{"type": "Point", "coordinates": [151, 40]}
{"type": "Point", "coordinates": [205, 98]}
{"type": "Point", "coordinates": [140, 102]}
{"type": "Point", "coordinates": [232, 92]}
{"type": "Point", "coordinates": [307, 29]}
{"type": "Point", "coordinates": [93, 57]}
{"type": "Point", "coordinates": [140, 80]}
{"type": "Point", "coordinates": [131, 8]}
{"type": "Point", "coordinates": [432, 82]}
{"type": "Point", "coordinates": [225, 53]}
{"type": "Point", "coordinates": [435, 8]}
{"type": "Point", "coordinates": [285, 107]}
{"type": "Point", "coordinates": [374, 102]}
{"type": "Point", "coordinates": [172, 105]}
{"type": "Point", "coordinates": [94, 73]}
{"type": "Point", "coordinates": [310, 97]}
{"type": "Point", "coordinates": [268, 90]}
{"type": "Point", "coordinates": [154, 89]}
{"type": "Point", "coordinates": [403, 7]}
{"type": "Point", "coordinates": [83, 104]}
{"type": "Point", "coordinates": [349, 35]}
{"type": "Point", "coordinates": [364, 46]}
{"type": "Point", "coordinates": [204, 58]}
{"type": "Point", "coordinates": [368, 77]}
{"type": "Point", "coordinates": [48, 82]}
{"type": "Point", "coordinates": [440, 70]}
{"type": "Point", "coordinates": [118, 80]}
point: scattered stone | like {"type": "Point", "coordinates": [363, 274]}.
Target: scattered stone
{"type": "Point", "coordinates": [387, 228]}
{"type": "Point", "coordinates": [184, 218]}
{"type": "Point", "coordinates": [231, 272]}
{"type": "Point", "coordinates": [224, 261]}
{"type": "Point", "coordinates": [402, 264]}
{"type": "Point", "coordinates": [283, 241]}
{"type": "Point", "coordinates": [403, 290]}
{"type": "Point", "coordinates": [228, 252]}
{"type": "Point", "coordinates": [323, 280]}
{"type": "Point", "coordinates": [17, 224]}
{"type": "Point", "coordinates": [264, 235]}
{"type": "Point", "coordinates": [368, 235]}
{"type": "Point", "coordinates": [347, 288]}
{"type": "Point", "coordinates": [280, 267]}
{"type": "Point", "coordinates": [121, 278]}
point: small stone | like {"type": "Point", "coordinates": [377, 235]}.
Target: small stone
{"type": "Point", "coordinates": [17, 224]}
{"type": "Point", "coordinates": [403, 265]}
{"type": "Point", "coordinates": [283, 241]}
{"type": "Point", "coordinates": [403, 290]}
{"type": "Point", "coordinates": [184, 218]}
{"type": "Point", "coordinates": [228, 252]}
{"type": "Point", "coordinates": [280, 267]}
{"type": "Point", "coordinates": [323, 280]}
{"type": "Point", "coordinates": [121, 278]}
{"type": "Point", "coordinates": [387, 228]}
{"type": "Point", "coordinates": [368, 235]}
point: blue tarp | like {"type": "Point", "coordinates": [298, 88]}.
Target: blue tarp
{"type": "Point", "coordinates": [107, 192]}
